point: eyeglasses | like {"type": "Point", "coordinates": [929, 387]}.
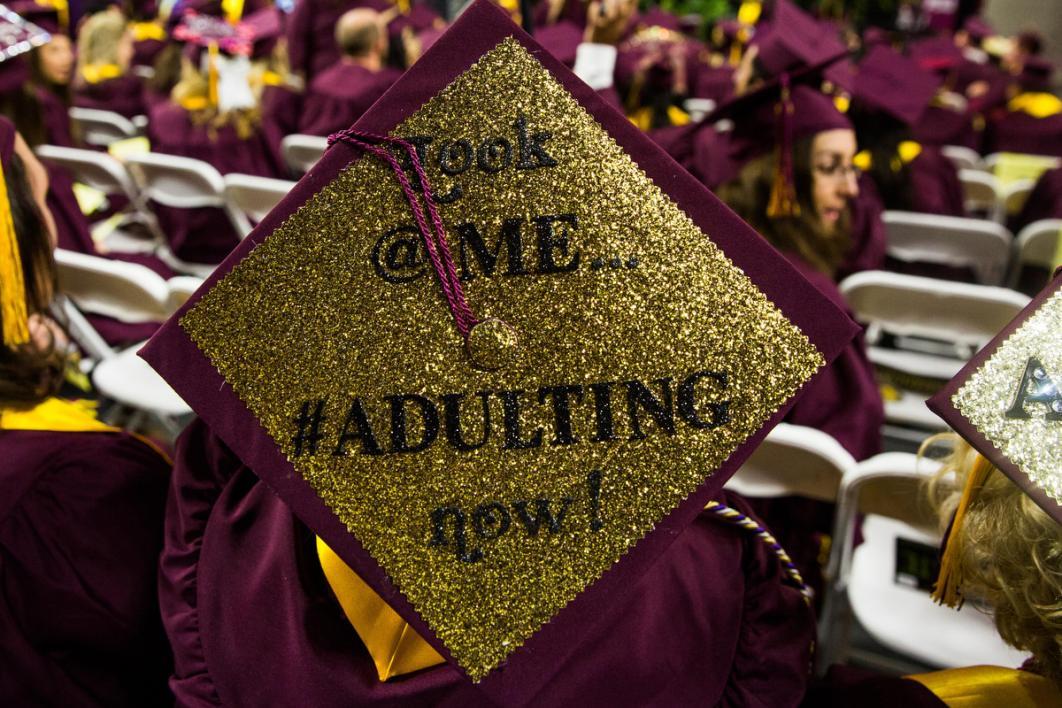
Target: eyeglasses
{"type": "Point", "coordinates": [838, 171]}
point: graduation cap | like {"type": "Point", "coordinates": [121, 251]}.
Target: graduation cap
{"type": "Point", "coordinates": [50, 18]}
{"type": "Point", "coordinates": [17, 38]}
{"type": "Point", "coordinates": [793, 39]}
{"type": "Point", "coordinates": [1007, 403]}
{"type": "Point", "coordinates": [938, 54]}
{"type": "Point", "coordinates": [1036, 74]}
{"type": "Point", "coordinates": [889, 82]}
{"type": "Point", "coordinates": [496, 349]}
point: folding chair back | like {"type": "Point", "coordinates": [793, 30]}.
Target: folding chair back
{"type": "Point", "coordinates": [125, 291]}
{"type": "Point", "coordinates": [1037, 244]}
{"type": "Point", "coordinates": [879, 581]}
{"type": "Point", "coordinates": [93, 168]}
{"type": "Point", "coordinates": [794, 461]}
{"type": "Point", "coordinates": [963, 158]}
{"type": "Point", "coordinates": [980, 245]}
{"type": "Point", "coordinates": [1013, 196]}
{"type": "Point", "coordinates": [301, 152]}
{"type": "Point", "coordinates": [179, 182]}
{"type": "Point", "coordinates": [253, 197]}
{"type": "Point", "coordinates": [101, 128]}
{"type": "Point", "coordinates": [980, 193]}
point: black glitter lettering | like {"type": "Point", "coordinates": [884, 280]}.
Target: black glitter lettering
{"type": "Point", "coordinates": [661, 410]}
{"type": "Point", "coordinates": [532, 154]}
{"type": "Point", "coordinates": [1036, 387]}
{"type": "Point", "coordinates": [511, 422]}
{"type": "Point", "coordinates": [455, 157]}
{"type": "Point", "coordinates": [550, 243]}
{"type": "Point", "coordinates": [687, 402]}
{"type": "Point", "coordinates": [470, 238]}
{"type": "Point", "coordinates": [459, 544]}
{"type": "Point", "coordinates": [494, 155]}
{"type": "Point", "coordinates": [603, 430]}
{"type": "Point", "coordinates": [491, 520]}
{"type": "Point", "coordinates": [562, 415]}
{"type": "Point", "coordinates": [452, 421]}
{"type": "Point", "coordinates": [356, 427]}
{"type": "Point", "coordinates": [309, 427]}
{"type": "Point", "coordinates": [429, 417]}
{"type": "Point", "coordinates": [543, 513]}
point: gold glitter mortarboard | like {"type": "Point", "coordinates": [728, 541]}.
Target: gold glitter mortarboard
{"type": "Point", "coordinates": [635, 341]}
{"type": "Point", "coordinates": [1007, 402]}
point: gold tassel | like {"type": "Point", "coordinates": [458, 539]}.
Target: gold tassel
{"type": "Point", "coordinates": [783, 197]}
{"type": "Point", "coordinates": [233, 10]}
{"type": "Point", "coordinates": [12, 283]}
{"type": "Point", "coordinates": [948, 588]}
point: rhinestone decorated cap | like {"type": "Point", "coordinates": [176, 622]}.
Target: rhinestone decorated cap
{"type": "Point", "coordinates": [631, 342]}
{"type": "Point", "coordinates": [1006, 402]}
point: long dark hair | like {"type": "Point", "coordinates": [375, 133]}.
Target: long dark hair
{"type": "Point", "coordinates": [750, 193]}
{"type": "Point", "coordinates": [22, 107]}
{"type": "Point", "coordinates": [880, 135]}
{"type": "Point", "coordinates": [29, 373]}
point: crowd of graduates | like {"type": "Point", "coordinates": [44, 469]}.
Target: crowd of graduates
{"type": "Point", "coordinates": [808, 127]}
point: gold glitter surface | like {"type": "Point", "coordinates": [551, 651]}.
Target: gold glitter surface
{"type": "Point", "coordinates": [1033, 444]}
{"type": "Point", "coordinates": [307, 316]}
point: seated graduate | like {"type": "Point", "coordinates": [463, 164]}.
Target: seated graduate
{"type": "Point", "coordinates": [310, 31]}
{"type": "Point", "coordinates": [338, 95]}
{"type": "Point", "coordinates": [798, 197]}
{"type": "Point", "coordinates": [1031, 120]}
{"type": "Point", "coordinates": [891, 94]}
{"type": "Point", "coordinates": [81, 516]}
{"type": "Point", "coordinates": [997, 497]}
{"type": "Point", "coordinates": [213, 115]}
{"type": "Point", "coordinates": [51, 74]}
{"type": "Point", "coordinates": [711, 617]}
{"type": "Point", "coordinates": [951, 119]}
{"type": "Point", "coordinates": [104, 52]}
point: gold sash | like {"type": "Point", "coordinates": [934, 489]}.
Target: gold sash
{"type": "Point", "coordinates": [991, 686]}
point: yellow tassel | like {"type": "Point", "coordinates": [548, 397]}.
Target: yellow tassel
{"type": "Point", "coordinates": [212, 73]}
{"type": "Point", "coordinates": [783, 197]}
{"type": "Point", "coordinates": [233, 10]}
{"type": "Point", "coordinates": [948, 588]}
{"type": "Point", "coordinates": [12, 283]}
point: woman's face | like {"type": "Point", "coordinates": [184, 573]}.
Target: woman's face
{"type": "Point", "coordinates": [833, 177]}
{"type": "Point", "coordinates": [125, 50]}
{"type": "Point", "coordinates": [57, 60]}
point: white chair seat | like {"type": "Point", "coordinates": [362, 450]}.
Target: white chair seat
{"type": "Point", "coordinates": [933, 634]}
{"type": "Point", "coordinates": [128, 379]}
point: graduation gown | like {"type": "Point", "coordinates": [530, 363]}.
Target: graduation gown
{"type": "Point", "coordinates": [1014, 131]}
{"type": "Point", "coordinates": [711, 622]}
{"type": "Point", "coordinates": [339, 95]}
{"type": "Point", "coordinates": [205, 235]}
{"type": "Point", "coordinates": [935, 185]}
{"type": "Point", "coordinates": [869, 240]}
{"type": "Point", "coordinates": [310, 31]}
{"type": "Point", "coordinates": [80, 533]}
{"type": "Point", "coordinates": [941, 126]}
{"type": "Point", "coordinates": [123, 95]}
{"type": "Point", "coordinates": [1045, 201]}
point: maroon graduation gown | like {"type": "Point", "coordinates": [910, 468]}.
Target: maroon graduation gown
{"type": "Point", "coordinates": [80, 533]}
{"type": "Point", "coordinates": [935, 185]}
{"type": "Point", "coordinates": [205, 235]}
{"type": "Point", "coordinates": [339, 95]}
{"type": "Point", "coordinates": [843, 401]}
{"type": "Point", "coordinates": [845, 686]}
{"type": "Point", "coordinates": [710, 624]}
{"type": "Point", "coordinates": [1020, 132]}
{"type": "Point", "coordinates": [1045, 201]}
{"type": "Point", "coordinates": [867, 251]}
{"type": "Point", "coordinates": [56, 117]}
{"type": "Point", "coordinates": [123, 95]}
{"type": "Point", "coordinates": [310, 30]}
{"type": "Point", "coordinates": [943, 126]}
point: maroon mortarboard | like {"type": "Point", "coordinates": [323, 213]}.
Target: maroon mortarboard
{"type": "Point", "coordinates": [658, 17]}
{"type": "Point", "coordinates": [937, 54]}
{"type": "Point", "coordinates": [977, 28]}
{"type": "Point", "coordinates": [44, 16]}
{"type": "Point", "coordinates": [793, 39]}
{"type": "Point", "coordinates": [892, 83]}
{"type": "Point", "coordinates": [264, 27]}
{"type": "Point", "coordinates": [875, 35]}
{"type": "Point", "coordinates": [1007, 403]}
{"type": "Point", "coordinates": [1036, 74]}
{"type": "Point", "coordinates": [17, 37]}
{"type": "Point", "coordinates": [497, 375]}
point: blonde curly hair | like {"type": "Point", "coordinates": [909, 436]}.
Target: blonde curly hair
{"type": "Point", "coordinates": [1009, 554]}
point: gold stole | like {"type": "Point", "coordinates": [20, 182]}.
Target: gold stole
{"type": "Point", "coordinates": [991, 686]}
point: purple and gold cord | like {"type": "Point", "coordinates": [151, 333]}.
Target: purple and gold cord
{"type": "Point", "coordinates": [735, 517]}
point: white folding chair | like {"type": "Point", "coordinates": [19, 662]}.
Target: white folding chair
{"type": "Point", "coordinates": [1039, 162]}
{"type": "Point", "coordinates": [923, 330]}
{"type": "Point", "coordinates": [877, 582]}
{"type": "Point", "coordinates": [101, 128]}
{"type": "Point", "coordinates": [301, 152]}
{"type": "Point", "coordinates": [125, 291]}
{"type": "Point", "coordinates": [793, 460]}
{"type": "Point", "coordinates": [964, 158]}
{"type": "Point", "coordinates": [1013, 196]}
{"type": "Point", "coordinates": [980, 193]}
{"type": "Point", "coordinates": [983, 246]}
{"type": "Point", "coordinates": [101, 171]}
{"type": "Point", "coordinates": [1036, 245]}
{"type": "Point", "coordinates": [253, 197]}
